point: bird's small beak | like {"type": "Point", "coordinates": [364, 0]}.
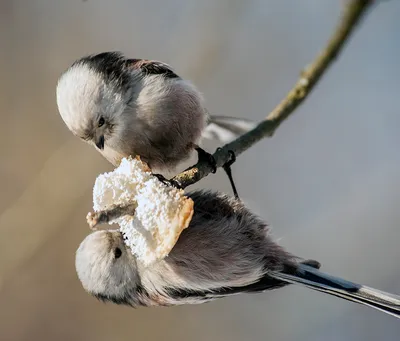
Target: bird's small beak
{"type": "Point", "coordinates": [100, 142]}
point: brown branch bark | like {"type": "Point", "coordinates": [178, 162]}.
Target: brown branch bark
{"type": "Point", "coordinates": [354, 11]}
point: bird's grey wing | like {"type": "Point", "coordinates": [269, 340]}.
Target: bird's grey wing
{"type": "Point", "coordinates": [225, 128]}
{"type": "Point", "coordinates": [152, 67]}
{"type": "Point", "coordinates": [308, 275]}
{"type": "Point", "coordinates": [265, 283]}
{"type": "Point", "coordinates": [317, 280]}
{"type": "Point", "coordinates": [221, 128]}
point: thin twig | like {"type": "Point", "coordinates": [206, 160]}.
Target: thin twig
{"type": "Point", "coordinates": [354, 11]}
{"type": "Point", "coordinates": [106, 216]}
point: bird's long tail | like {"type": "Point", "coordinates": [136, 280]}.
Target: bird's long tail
{"type": "Point", "coordinates": [225, 129]}
{"type": "Point", "coordinates": [317, 280]}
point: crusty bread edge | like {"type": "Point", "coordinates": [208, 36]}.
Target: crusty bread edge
{"type": "Point", "coordinates": [146, 167]}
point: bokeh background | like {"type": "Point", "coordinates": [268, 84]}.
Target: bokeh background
{"type": "Point", "coordinates": [328, 181]}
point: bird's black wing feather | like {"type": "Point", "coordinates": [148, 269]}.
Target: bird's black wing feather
{"type": "Point", "coordinates": [335, 286]}
{"type": "Point", "coordinates": [152, 67]}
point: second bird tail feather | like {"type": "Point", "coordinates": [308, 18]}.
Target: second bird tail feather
{"type": "Point", "coordinates": [225, 129]}
{"type": "Point", "coordinates": [317, 280]}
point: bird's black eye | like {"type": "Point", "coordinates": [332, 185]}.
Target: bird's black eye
{"type": "Point", "coordinates": [101, 122]}
{"type": "Point", "coordinates": [117, 252]}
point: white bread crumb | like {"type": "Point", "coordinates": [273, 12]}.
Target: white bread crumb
{"type": "Point", "coordinates": [162, 211]}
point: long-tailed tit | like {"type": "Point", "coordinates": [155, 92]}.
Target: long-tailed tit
{"type": "Point", "coordinates": [127, 107]}
{"type": "Point", "coordinates": [226, 250]}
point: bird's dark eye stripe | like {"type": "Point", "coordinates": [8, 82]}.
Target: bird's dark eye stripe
{"type": "Point", "coordinates": [101, 121]}
{"type": "Point", "coordinates": [117, 252]}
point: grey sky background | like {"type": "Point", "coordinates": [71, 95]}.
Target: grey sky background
{"type": "Point", "coordinates": [327, 182]}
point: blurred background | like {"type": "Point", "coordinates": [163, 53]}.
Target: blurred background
{"type": "Point", "coordinates": [328, 181]}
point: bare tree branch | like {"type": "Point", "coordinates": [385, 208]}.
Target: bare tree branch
{"type": "Point", "coordinates": [354, 11]}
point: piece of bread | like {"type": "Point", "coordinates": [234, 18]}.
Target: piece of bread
{"type": "Point", "coordinates": [162, 211]}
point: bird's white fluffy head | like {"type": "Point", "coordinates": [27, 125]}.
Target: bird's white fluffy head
{"type": "Point", "coordinates": [89, 90]}
{"type": "Point", "coordinates": [105, 266]}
